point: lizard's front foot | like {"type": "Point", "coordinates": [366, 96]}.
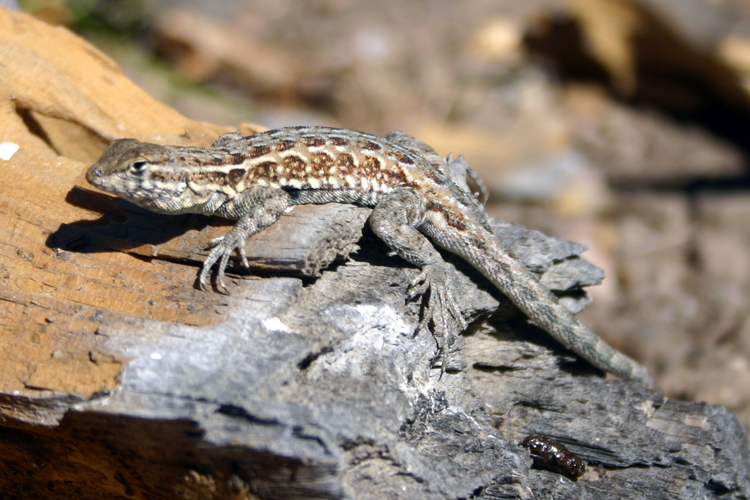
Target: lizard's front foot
{"type": "Point", "coordinates": [442, 309]}
{"type": "Point", "coordinates": [223, 248]}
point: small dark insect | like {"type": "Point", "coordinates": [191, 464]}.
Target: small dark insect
{"type": "Point", "coordinates": [551, 455]}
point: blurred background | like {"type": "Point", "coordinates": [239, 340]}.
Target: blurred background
{"type": "Point", "coordinates": [621, 124]}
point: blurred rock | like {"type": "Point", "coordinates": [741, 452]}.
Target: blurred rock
{"type": "Point", "coordinates": [499, 40]}
{"type": "Point", "coordinates": [722, 347]}
{"type": "Point", "coordinates": [205, 49]}
{"type": "Point", "coordinates": [735, 52]}
{"type": "Point", "coordinates": [637, 51]}
{"type": "Point", "coordinates": [653, 311]}
{"type": "Point", "coordinates": [703, 23]}
{"type": "Point", "coordinates": [641, 146]}
{"type": "Point", "coordinates": [567, 175]}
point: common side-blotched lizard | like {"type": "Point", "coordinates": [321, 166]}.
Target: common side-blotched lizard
{"type": "Point", "coordinates": [414, 194]}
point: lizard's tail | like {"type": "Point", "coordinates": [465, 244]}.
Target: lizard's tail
{"type": "Point", "coordinates": [536, 301]}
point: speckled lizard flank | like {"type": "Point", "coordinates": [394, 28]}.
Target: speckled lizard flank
{"type": "Point", "coordinates": [254, 179]}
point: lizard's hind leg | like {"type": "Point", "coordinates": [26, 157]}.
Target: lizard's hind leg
{"type": "Point", "coordinates": [395, 220]}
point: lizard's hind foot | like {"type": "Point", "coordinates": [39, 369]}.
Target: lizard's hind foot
{"type": "Point", "coordinates": [441, 307]}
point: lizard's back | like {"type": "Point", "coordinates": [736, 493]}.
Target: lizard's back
{"type": "Point", "coordinates": [318, 165]}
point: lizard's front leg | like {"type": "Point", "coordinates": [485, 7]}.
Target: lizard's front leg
{"type": "Point", "coordinates": [395, 220]}
{"type": "Point", "coordinates": [254, 209]}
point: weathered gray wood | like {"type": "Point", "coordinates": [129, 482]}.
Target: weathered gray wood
{"type": "Point", "coordinates": [328, 389]}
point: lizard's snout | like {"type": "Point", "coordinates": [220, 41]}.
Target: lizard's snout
{"type": "Point", "coordinates": [95, 174]}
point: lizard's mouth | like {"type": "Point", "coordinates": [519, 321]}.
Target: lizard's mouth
{"type": "Point", "coordinates": [95, 176]}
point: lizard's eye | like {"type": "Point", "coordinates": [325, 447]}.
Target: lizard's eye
{"type": "Point", "coordinates": [138, 168]}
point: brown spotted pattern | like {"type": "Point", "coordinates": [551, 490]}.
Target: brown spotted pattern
{"type": "Point", "coordinates": [208, 177]}
{"type": "Point", "coordinates": [169, 176]}
{"type": "Point", "coordinates": [294, 163]}
{"type": "Point", "coordinates": [345, 161]}
{"type": "Point", "coordinates": [339, 141]}
{"type": "Point", "coordinates": [371, 164]}
{"type": "Point", "coordinates": [313, 141]}
{"type": "Point", "coordinates": [321, 161]}
{"type": "Point", "coordinates": [401, 157]}
{"type": "Point", "coordinates": [265, 170]}
{"type": "Point", "coordinates": [284, 145]}
{"type": "Point", "coordinates": [370, 145]}
{"type": "Point", "coordinates": [257, 151]}
{"type": "Point", "coordinates": [237, 159]}
{"type": "Point", "coordinates": [235, 176]}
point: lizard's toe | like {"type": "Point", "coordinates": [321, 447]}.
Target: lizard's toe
{"type": "Point", "coordinates": [441, 308]}
{"type": "Point", "coordinates": [220, 274]}
{"type": "Point", "coordinates": [223, 248]}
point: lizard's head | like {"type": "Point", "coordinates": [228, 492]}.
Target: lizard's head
{"type": "Point", "coordinates": [142, 173]}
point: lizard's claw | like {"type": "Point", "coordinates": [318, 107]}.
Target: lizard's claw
{"type": "Point", "coordinates": [418, 286]}
{"type": "Point", "coordinates": [442, 308]}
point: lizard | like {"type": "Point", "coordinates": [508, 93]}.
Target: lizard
{"type": "Point", "coordinates": [418, 203]}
